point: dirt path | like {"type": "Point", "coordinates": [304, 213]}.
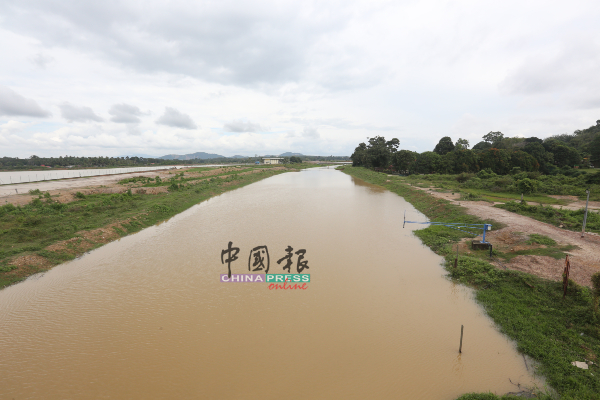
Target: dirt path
{"type": "Point", "coordinates": [584, 261]}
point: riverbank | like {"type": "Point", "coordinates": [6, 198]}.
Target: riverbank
{"type": "Point", "coordinates": [528, 309]}
{"type": "Point", "coordinates": [41, 229]}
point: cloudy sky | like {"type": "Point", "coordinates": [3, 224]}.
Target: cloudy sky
{"type": "Point", "coordinates": [252, 77]}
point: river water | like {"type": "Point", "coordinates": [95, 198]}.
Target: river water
{"type": "Point", "coordinates": [148, 317]}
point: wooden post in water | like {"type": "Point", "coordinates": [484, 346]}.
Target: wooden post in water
{"type": "Point", "coordinates": [461, 336]}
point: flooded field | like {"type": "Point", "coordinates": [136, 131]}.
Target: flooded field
{"type": "Point", "coordinates": [148, 317]}
{"type": "Point", "coordinates": [17, 177]}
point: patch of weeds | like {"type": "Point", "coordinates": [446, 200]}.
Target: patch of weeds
{"type": "Point", "coordinates": [35, 191]}
{"type": "Point", "coordinates": [161, 208]}
{"type": "Point", "coordinates": [55, 257]}
{"type": "Point", "coordinates": [7, 268]}
{"type": "Point", "coordinates": [540, 239]}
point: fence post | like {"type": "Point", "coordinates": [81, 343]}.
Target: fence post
{"type": "Point", "coordinates": [586, 211]}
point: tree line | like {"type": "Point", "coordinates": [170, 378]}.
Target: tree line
{"type": "Point", "coordinates": [495, 152]}
{"type": "Point", "coordinates": [109, 162]}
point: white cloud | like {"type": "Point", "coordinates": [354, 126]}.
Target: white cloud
{"type": "Point", "coordinates": [125, 113]}
{"type": "Point", "coordinates": [176, 119]}
{"type": "Point", "coordinates": [13, 104]}
{"type": "Point", "coordinates": [310, 132]}
{"type": "Point", "coordinates": [242, 126]}
{"type": "Point", "coordinates": [315, 77]}
{"type": "Point", "coordinates": [81, 114]}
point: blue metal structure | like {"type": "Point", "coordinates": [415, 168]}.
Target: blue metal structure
{"type": "Point", "coordinates": [456, 225]}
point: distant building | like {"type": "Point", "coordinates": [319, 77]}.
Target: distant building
{"type": "Point", "coordinates": [272, 160]}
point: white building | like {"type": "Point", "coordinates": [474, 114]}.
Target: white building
{"type": "Point", "coordinates": [272, 160]}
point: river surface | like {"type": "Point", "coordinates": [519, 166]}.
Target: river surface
{"type": "Point", "coordinates": [147, 316]}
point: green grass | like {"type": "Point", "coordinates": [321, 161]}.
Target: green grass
{"type": "Point", "coordinates": [29, 229]}
{"type": "Point", "coordinates": [541, 239]}
{"type": "Point", "coordinates": [567, 219]}
{"type": "Point", "coordinates": [528, 309]}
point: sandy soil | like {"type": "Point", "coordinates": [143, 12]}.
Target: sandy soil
{"type": "Point", "coordinates": [584, 261]}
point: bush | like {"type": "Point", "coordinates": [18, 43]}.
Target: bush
{"type": "Point", "coordinates": [596, 291]}
{"type": "Point", "coordinates": [462, 178]}
{"type": "Point", "coordinates": [486, 173]}
{"type": "Point", "coordinates": [35, 191]}
{"type": "Point", "coordinates": [80, 195]}
{"type": "Point", "coordinates": [527, 186]}
{"type": "Point", "coordinates": [161, 208]}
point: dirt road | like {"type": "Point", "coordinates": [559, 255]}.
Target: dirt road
{"type": "Point", "coordinates": [584, 261]}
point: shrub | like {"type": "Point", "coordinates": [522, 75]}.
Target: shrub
{"type": "Point", "coordinates": [161, 208]}
{"type": "Point", "coordinates": [486, 173]}
{"type": "Point", "coordinates": [80, 195]}
{"type": "Point", "coordinates": [596, 291]}
{"type": "Point", "coordinates": [462, 178]}
{"type": "Point", "coordinates": [35, 191]}
{"type": "Point", "coordinates": [527, 186]}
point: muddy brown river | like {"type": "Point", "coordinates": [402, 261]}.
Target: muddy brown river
{"type": "Point", "coordinates": [147, 317]}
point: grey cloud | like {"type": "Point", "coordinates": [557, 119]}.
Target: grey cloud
{"type": "Point", "coordinates": [73, 113]}
{"type": "Point", "coordinates": [575, 66]}
{"type": "Point", "coordinates": [13, 104]}
{"type": "Point", "coordinates": [227, 42]}
{"type": "Point", "coordinates": [310, 132]}
{"type": "Point", "coordinates": [242, 126]}
{"type": "Point", "coordinates": [176, 119]}
{"type": "Point", "coordinates": [341, 123]}
{"type": "Point", "coordinates": [41, 60]}
{"type": "Point", "coordinates": [125, 113]}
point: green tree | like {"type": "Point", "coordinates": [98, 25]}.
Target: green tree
{"type": "Point", "coordinates": [428, 162]}
{"type": "Point", "coordinates": [464, 161]}
{"type": "Point", "coordinates": [296, 160]}
{"type": "Point", "coordinates": [444, 146]}
{"type": "Point", "coordinates": [462, 144]}
{"type": "Point", "coordinates": [493, 137]}
{"type": "Point", "coordinates": [524, 161]}
{"type": "Point", "coordinates": [359, 157]}
{"type": "Point", "coordinates": [405, 161]}
{"type": "Point", "coordinates": [495, 159]}
{"type": "Point", "coordinates": [482, 146]}
{"type": "Point", "coordinates": [595, 151]}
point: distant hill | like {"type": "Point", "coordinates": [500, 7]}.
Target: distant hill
{"type": "Point", "coordinates": [238, 156]}
{"type": "Point", "coordinates": [288, 154]}
{"type": "Point", "coordinates": [201, 155]}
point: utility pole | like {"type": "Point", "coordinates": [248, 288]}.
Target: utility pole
{"type": "Point", "coordinates": [586, 210]}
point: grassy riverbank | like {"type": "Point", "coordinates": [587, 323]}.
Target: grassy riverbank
{"type": "Point", "coordinates": [530, 310]}
{"type": "Point", "coordinates": [45, 232]}
{"type": "Point", "coordinates": [507, 189]}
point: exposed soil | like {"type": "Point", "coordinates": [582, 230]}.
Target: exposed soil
{"type": "Point", "coordinates": [585, 260]}
{"type": "Point", "coordinates": [65, 189]}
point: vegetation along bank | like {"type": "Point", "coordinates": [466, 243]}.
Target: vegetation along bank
{"type": "Point", "coordinates": [55, 227]}
{"type": "Point", "coordinates": [530, 310]}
